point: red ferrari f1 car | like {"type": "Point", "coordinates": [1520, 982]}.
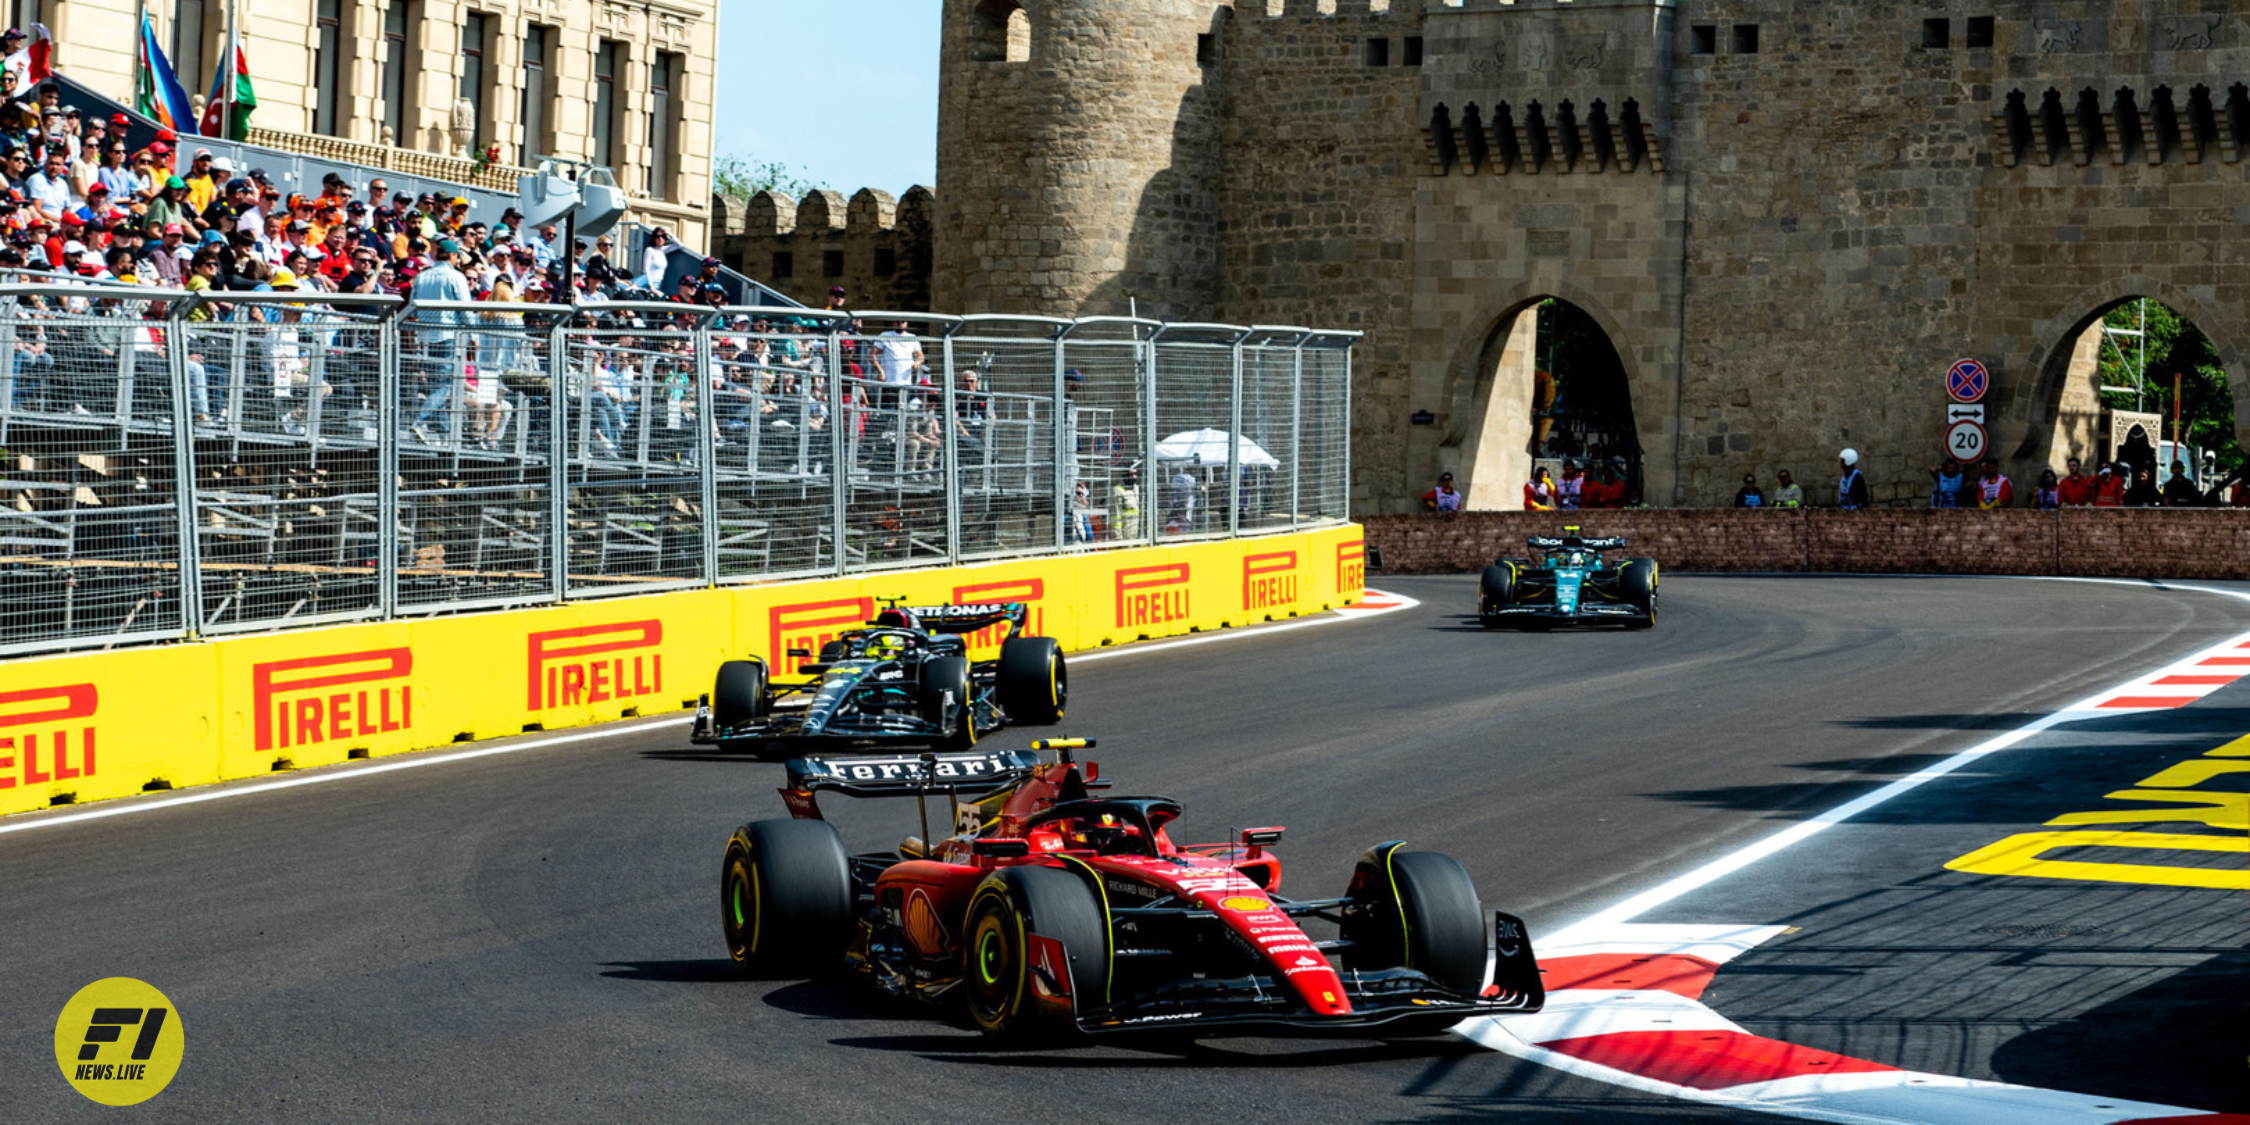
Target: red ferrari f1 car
{"type": "Point", "coordinates": [1050, 909]}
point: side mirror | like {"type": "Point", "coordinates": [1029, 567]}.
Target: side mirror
{"type": "Point", "coordinates": [801, 653]}
{"type": "Point", "coordinates": [1001, 847]}
{"type": "Point", "coordinates": [1257, 840]}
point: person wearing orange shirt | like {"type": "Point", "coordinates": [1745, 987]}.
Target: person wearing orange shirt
{"type": "Point", "coordinates": [1994, 490]}
{"type": "Point", "coordinates": [2109, 487]}
{"type": "Point", "coordinates": [2077, 489]}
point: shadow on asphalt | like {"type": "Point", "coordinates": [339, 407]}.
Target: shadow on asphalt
{"type": "Point", "coordinates": [2181, 1040]}
{"type": "Point", "coordinates": [1154, 1050]}
{"type": "Point", "coordinates": [708, 970]}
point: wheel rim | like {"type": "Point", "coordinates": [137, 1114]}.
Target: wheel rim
{"type": "Point", "coordinates": [993, 965]}
{"type": "Point", "coordinates": [738, 909]}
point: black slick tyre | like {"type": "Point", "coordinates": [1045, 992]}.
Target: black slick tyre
{"type": "Point", "coordinates": [1033, 683]}
{"type": "Point", "coordinates": [785, 898]}
{"type": "Point", "coordinates": [739, 696]}
{"type": "Point", "coordinates": [1495, 592]}
{"type": "Point", "coordinates": [1416, 910]}
{"type": "Point", "coordinates": [1000, 985]}
{"type": "Point", "coordinates": [1636, 583]}
{"type": "Point", "coordinates": [947, 702]}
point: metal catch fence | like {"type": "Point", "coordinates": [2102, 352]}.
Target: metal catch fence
{"type": "Point", "coordinates": [178, 465]}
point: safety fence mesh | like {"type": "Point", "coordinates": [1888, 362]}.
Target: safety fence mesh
{"type": "Point", "coordinates": [176, 465]}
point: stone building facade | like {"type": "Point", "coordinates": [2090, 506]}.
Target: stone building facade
{"type": "Point", "coordinates": [629, 83]}
{"type": "Point", "coordinates": [1790, 218]}
{"type": "Point", "coordinates": [876, 248]}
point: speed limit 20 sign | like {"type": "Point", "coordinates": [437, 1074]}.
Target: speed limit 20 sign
{"type": "Point", "coordinates": [1965, 440]}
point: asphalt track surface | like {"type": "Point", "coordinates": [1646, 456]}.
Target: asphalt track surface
{"type": "Point", "coordinates": [534, 935]}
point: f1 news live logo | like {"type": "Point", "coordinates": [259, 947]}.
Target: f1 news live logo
{"type": "Point", "coordinates": [593, 664]}
{"type": "Point", "coordinates": [809, 625]}
{"type": "Point", "coordinates": [119, 1041]}
{"type": "Point", "coordinates": [1351, 566]}
{"type": "Point", "coordinates": [1152, 595]}
{"type": "Point", "coordinates": [1030, 591]}
{"type": "Point", "coordinates": [1269, 580]}
{"type": "Point", "coordinates": [331, 698]}
{"type": "Point", "coordinates": [37, 728]}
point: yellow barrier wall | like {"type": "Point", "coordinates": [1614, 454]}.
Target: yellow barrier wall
{"type": "Point", "coordinates": [86, 727]}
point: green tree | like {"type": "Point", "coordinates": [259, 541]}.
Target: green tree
{"type": "Point", "coordinates": [743, 176]}
{"type": "Point", "coordinates": [2175, 346]}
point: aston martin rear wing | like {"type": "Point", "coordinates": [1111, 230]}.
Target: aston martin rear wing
{"type": "Point", "coordinates": [1552, 543]}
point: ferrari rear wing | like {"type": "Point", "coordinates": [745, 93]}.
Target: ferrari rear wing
{"type": "Point", "coordinates": [960, 619]}
{"type": "Point", "coordinates": [908, 775]}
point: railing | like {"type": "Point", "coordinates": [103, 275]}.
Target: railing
{"type": "Point", "coordinates": [174, 465]}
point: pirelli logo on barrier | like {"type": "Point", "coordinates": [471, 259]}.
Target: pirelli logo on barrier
{"type": "Point", "coordinates": [298, 703]}
{"type": "Point", "coordinates": [47, 734]}
{"type": "Point", "coordinates": [809, 625]}
{"type": "Point", "coordinates": [1351, 567]}
{"type": "Point", "coordinates": [593, 664]}
{"type": "Point", "coordinates": [1269, 581]}
{"type": "Point", "coordinates": [1152, 595]}
{"type": "Point", "coordinates": [1030, 591]}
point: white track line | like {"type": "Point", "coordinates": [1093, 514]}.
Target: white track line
{"type": "Point", "coordinates": [349, 771]}
{"type": "Point", "coordinates": [1728, 864]}
{"type": "Point", "coordinates": [1885, 1097]}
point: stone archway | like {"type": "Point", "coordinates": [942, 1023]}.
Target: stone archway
{"type": "Point", "coordinates": [2057, 414]}
{"type": "Point", "coordinates": [1494, 386]}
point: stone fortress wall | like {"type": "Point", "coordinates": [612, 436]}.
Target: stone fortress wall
{"type": "Point", "coordinates": [874, 245]}
{"type": "Point", "coordinates": [1789, 217]}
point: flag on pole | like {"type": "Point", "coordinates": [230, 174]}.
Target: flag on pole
{"type": "Point", "coordinates": [42, 52]}
{"type": "Point", "coordinates": [157, 91]}
{"type": "Point", "coordinates": [242, 99]}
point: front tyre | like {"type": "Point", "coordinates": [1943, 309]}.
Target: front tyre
{"type": "Point", "coordinates": [1416, 910]}
{"type": "Point", "coordinates": [1636, 583]}
{"type": "Point", "coordinates": [1007, 993]}
{"type": "Point", "coordinates": [946, 694]}
{"type": "Point", "coordinates": [785, 897]}
{"type": "Point", "coordinates": [739, 697]}
{"type": "Point", "coordinates": [1496, 591]}
{"type": "Point", "coordinates": [1032, 682]}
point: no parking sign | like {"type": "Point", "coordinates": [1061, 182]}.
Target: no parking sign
{"type": "Point", "coordinates": [1967, 381]}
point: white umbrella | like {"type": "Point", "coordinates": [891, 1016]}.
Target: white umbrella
{"type": "Point", "coordinates": [1209, 447]}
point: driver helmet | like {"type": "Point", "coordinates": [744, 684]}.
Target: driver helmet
{"type": "Point", "coordinates": [886, 645]}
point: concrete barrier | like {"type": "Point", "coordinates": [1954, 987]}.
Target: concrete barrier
{"type": "Point", "coordinates": [2099, 542]}
{"type": "Point", "coordinates": [98, 725]}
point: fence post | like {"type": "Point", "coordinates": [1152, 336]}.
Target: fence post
{"type": "Point", "coordinates": [839, 471]}
{"type": "Point", "coordinates": [1345, 485]}
{"type": "Point", "coordinates": [558, 453]}
{"type": "Point", "coordinates": [1234, 448]}
{"type": "Point", "coordinates": [707, 421]}
{"type": "Point", "coordinates": [952, 453]}
{"type": "Point", "coordinates": [183, 470]}
{"type": "Point", "coordinates": [10, 309]}
{"type": "Point", "coordinates": [1296, 430]}
{"type": "Point", "coordinates": [1062, 450]}
{"type": "Point", "coordinates": [1152, 474]}
{"type": "Point", "coordinates": [387, 391]}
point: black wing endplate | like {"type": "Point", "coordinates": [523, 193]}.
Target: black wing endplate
{"type": "Point", "coordinates": [961, 619]}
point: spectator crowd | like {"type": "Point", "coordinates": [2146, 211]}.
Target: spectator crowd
{"type": "Point", "coordinates": [78, 200]}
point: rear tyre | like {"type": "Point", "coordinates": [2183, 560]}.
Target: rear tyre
{"type": "Point", "coordinates": [1033, 683]}
{"type": "Point", "coordinates": [1416, 910]}
{"type": "Point", "coordinates": [739, 697]}
{"type": "Point", "coordinates": [1636, 583]}
{"type": "Point", "coordinates": [785, 897]}
{"type": "Point", "coordinates": [946, 696]}
{"type": "Point", "coordinates": [1003, 987]}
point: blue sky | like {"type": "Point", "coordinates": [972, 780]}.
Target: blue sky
{"type": "Point", "coordinates": [843, 90]}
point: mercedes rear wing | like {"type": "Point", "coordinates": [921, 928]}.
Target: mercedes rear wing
{"type": "Point", "coordinates": [962, 619]}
